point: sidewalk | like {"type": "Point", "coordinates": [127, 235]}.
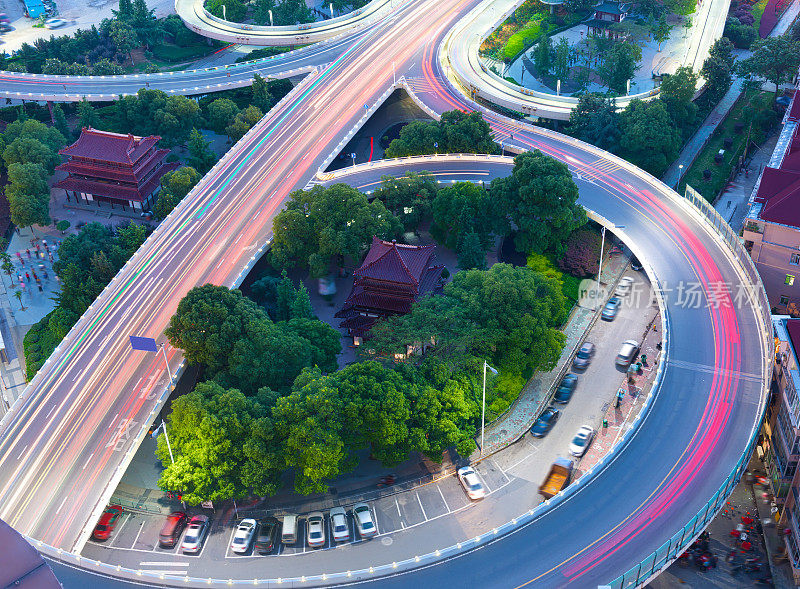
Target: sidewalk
{"type": "Point", "coordinates": [534, 396]}
{"type": "Point", "coordinates": [620, 419]}
{"type": "Point", "coordinates": [693, 147]}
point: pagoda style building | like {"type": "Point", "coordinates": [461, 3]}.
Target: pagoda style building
{"type": "Point", "coordinates": [114, 169]}
{"type": "Point", "coordinates": [391, 278]}
{"type": "Point", "coordinates": [606, 14]}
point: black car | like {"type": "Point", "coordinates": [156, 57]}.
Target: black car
{"type": "Point", "coordinates": [566, 388]}
{"type": "Point", "coordinates": [545, 422]}
{"type": "Point", "coordinates": [584, 356]}
{"type": "Point", "coordinates": [268, 530]}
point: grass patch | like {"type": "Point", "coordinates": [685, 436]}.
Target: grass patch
{"type": "Point", "coordinates": [173, 54]}
{"type": "Point", "coordinates": [522, 39]}
{"type": "Point", "coordinates": [758, 12]}
{"type": "Point", "coordinates": [546, 264]}
{"type": "Point", "coordinates": [754, 110]}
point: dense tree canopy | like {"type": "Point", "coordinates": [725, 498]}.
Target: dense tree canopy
{"type": "Point", "coordinates": [322, 226]}
{"type": "Point", "coordinates": [466, 208]}
{"type": "Point", "coordinates": [775, 59]}
{"type": "Point", "coordinates": [174, 186]}
{"type": "Point", "coordinates": [455, 132]}
{"type": "Point", "coordinates": [540, 197]}
{"type": "Point", "coordinates": [618, 65]}
{"type": "Point", "coordinates": [648, 136]}
{"type": "Point", "coordinates": [595, 120]}
{"type": "Point", "coordinates": [677, 92]}
{"type": "Point", "coordinates": [409, 197]}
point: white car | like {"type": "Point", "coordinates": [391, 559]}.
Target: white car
{"type": "Point", "coordinates": [624, 286]}
{"type": "Point", "coordinates": [580, 443]}
{"type": "Point", "coordinates": [471, 483]}
{"type": "Point", "coordinates": [243, 536]}
{"type": "Point", "coordinates": [54, 23]}
{"type": "Point", "coordinates": [339, 528]}
{"type": "Point", "coordinates": [195, 534]}
{"type": "Point", "coordinates": [364, 522]}
{"type": "Point", "coordinates": [316, 529]}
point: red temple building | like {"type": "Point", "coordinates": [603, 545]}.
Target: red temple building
{"type": "Point", "coordinates": [606, 14]}
{"type": "Point", "coordinates": [391, 278]}
{"type": "Point", "coordinates": [109, 169]}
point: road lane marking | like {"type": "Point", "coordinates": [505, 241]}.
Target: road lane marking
{"type": "Point", "coordinates": [165, 564]}
{"type": "Point", "coordinates": [53, 408]}
{"type": "Point", "coordinates": [62, 504]}
{"type": "Point", "coordinates": [425, 515]}
{"type": "Point", "coordinates": [136, 539]}
{"type": "Point", "coordinates": [23, 451]}
{"type": "Point", "coordinates": [126, 517]}
{"type": "Point", "coordinates": [85, 464]}
{"type": "Point", "coordinates": [443, 500]}
{"type": "Point", "coordinates": [399, 514]}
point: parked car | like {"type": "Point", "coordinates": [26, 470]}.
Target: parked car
{"type": "Point", "coordinates": [471, 483]}
{"type": "Point", "coordinates": [624, 287]}
{"type": "Point", "coordinates": [316, 529]}
{"type": "Point", "coordinates": [54, 23]}
{"type": "Point", "coordinates": [584, 356]}
{"type": "Point", "coordinates": [195, 534]}
{"type": "Point", "coordinates": [635, 264]}
{"type": "Point", "coordinates": [364, 521]}
{"type": "Point", "coordinates": [566, 388]}
{"type": "Point", "coordinates": [611, 309]}
{"type": "Point", "coordinates": [243, 535]}
{"type": "Point", "coordinates": [545, 422]}
{"type": "Point", "coordinates": [580, 443]}
{"type": "Point", "coordinates": [267, 537]}
{"type": "Point", "coordinates": [105, 525]}
{"type": "Point", "coordinates": [627, 352]}
{"type": "Point", "coordinates": [340, 531]}
{"type": "Point", "coordinates": [172, 528]}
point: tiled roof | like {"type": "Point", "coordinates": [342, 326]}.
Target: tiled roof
{"type": "Point", "coordinates": [133, 174]}
{"type": "Point", "coordinates": [793, 328]}
{"type": "Point", "coordinates": [779, 189]}
{"type": "Point", "coordinates": [794, 110]}
{"type": "Point", "coordinates": [110, 147]}
{"type": "Point", "coordinates": [611, 7]}
{"type": "Point", "coordinates": [395, 262]}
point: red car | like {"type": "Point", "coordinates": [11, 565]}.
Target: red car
{"type": "Point", "coordinates": [107, 522]}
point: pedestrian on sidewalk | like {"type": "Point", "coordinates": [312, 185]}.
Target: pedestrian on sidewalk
{"type": "Point", "coordinates": [19, 276]}
{"type": "Point", "coordinates": [29, 252]}
{"type": "Point", "coordinates": [34, 275]}
{"type": "Point", "coordinates": [19, 255]}
{"type": "Point", "coordinates": [51, 257]}
{"type": "Point", "coordinates": [21, 261]}
{"type": "Point", "coordinates": [28, 276]}
{"type": "Point", "coordinates": [39, 284]}
{"type": "Point", "coordinates": [45, 275]}
{"type": "Point", "coordinates": [44, 242]}
{"type": "Point", "coordinates": [38, 247]}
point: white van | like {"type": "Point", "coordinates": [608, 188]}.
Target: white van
{"type": "Point", "coordinates": [289, 532]}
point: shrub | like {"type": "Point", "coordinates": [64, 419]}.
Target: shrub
{"type": "Point", "coordinates": [582, 254]}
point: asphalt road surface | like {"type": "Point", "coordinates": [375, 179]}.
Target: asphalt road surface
{"type": "Point", "coordinates": [67, 441]}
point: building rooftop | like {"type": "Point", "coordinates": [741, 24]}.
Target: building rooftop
{"type": "Point", "coordinates": [611, 7]}
{"type": "Point", "coordinates": [110, 147]}
{"type": "Point", "coordinates": [395, 262]}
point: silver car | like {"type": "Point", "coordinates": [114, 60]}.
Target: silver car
{"type": "Point", "coordinates": [582, 440]}
{"type": "Point", "coordinates": [195, 534]}
{"type": "Point", "coordinates": [243, 536]}
{"type": "Point", "coordinates": [364, 522]}
{"type": "Point", "coordinates": [315, 525]}
{"type": "Point", "coordinates": [339, 528]}
{"type": "Point", "coordinates": [627, 352]}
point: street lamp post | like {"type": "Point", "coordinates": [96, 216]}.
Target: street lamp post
{"type": "Point", "coordinates": [600, 267]}
{"type": "Point", "coordinates": [483, 401]}
{"type": "Point", "coordinates": [163, 351]}
{"type": "Point", "coordinates": [680, 173]}
{"type": "Point", "coordinates": [271, 23]}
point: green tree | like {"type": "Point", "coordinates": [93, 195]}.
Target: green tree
{"type": "Point", "coordinates": [60, 121]}
{"type": "Point", "coordinates": [775, 59]}
{"type": "Point", "coordinates": [210, 321]}
{"type": "Point", "coordinates": [26, 149]}
{"type": "Point", "coordinates": [201, 158]}
{"type": "Point", "coordinates": [540, 197]}
{"type": "Point", "coordinates": [471, 252]}
{"type": "Point", "coordinates": [648, 136]}
{"type": "Point", "coordinates": [261, 95]}
{"type": "Point", "coordinates": [543, 55]}
{"type": "Point", "coordinates": [455, 132]}
{"type": "Point", "coordinates": [87, 116]}
{"type": "Point", "coordinates": [325, 225]}
{"type": "Point", "coordinates": [595, 120]}
{"type": "Point", "coordinates": [324, 341]}
{"type": "Point", "coordinates": [243, 122]}
{"type": "Point", "coordinates": [677, 92]}
{"type": "Point", "coordinates": [235, 10]}
{"type": "Point", "coordinates": [660, 30]}
{"type": "Point", "coordinates": [28, 194]}
{"type": "Point", "coordinates": [125, 39]}
{"type": "Point", "coordinates": [208, 428]}
{"type": "Point", "coordinates": [409, 197]}
{"type": "Point", "coordinates": [174, 186]}
{"type": "Point", "coordinates": [718, 71]}
{"type": "Point", "coordinates": [618, 65]}
{"type": "Point", "coordinates": [221, 113]}
{"type": "Point", "coordinates": [466, 208]}
{"type": "Point", "coordinates": [561, 59]}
